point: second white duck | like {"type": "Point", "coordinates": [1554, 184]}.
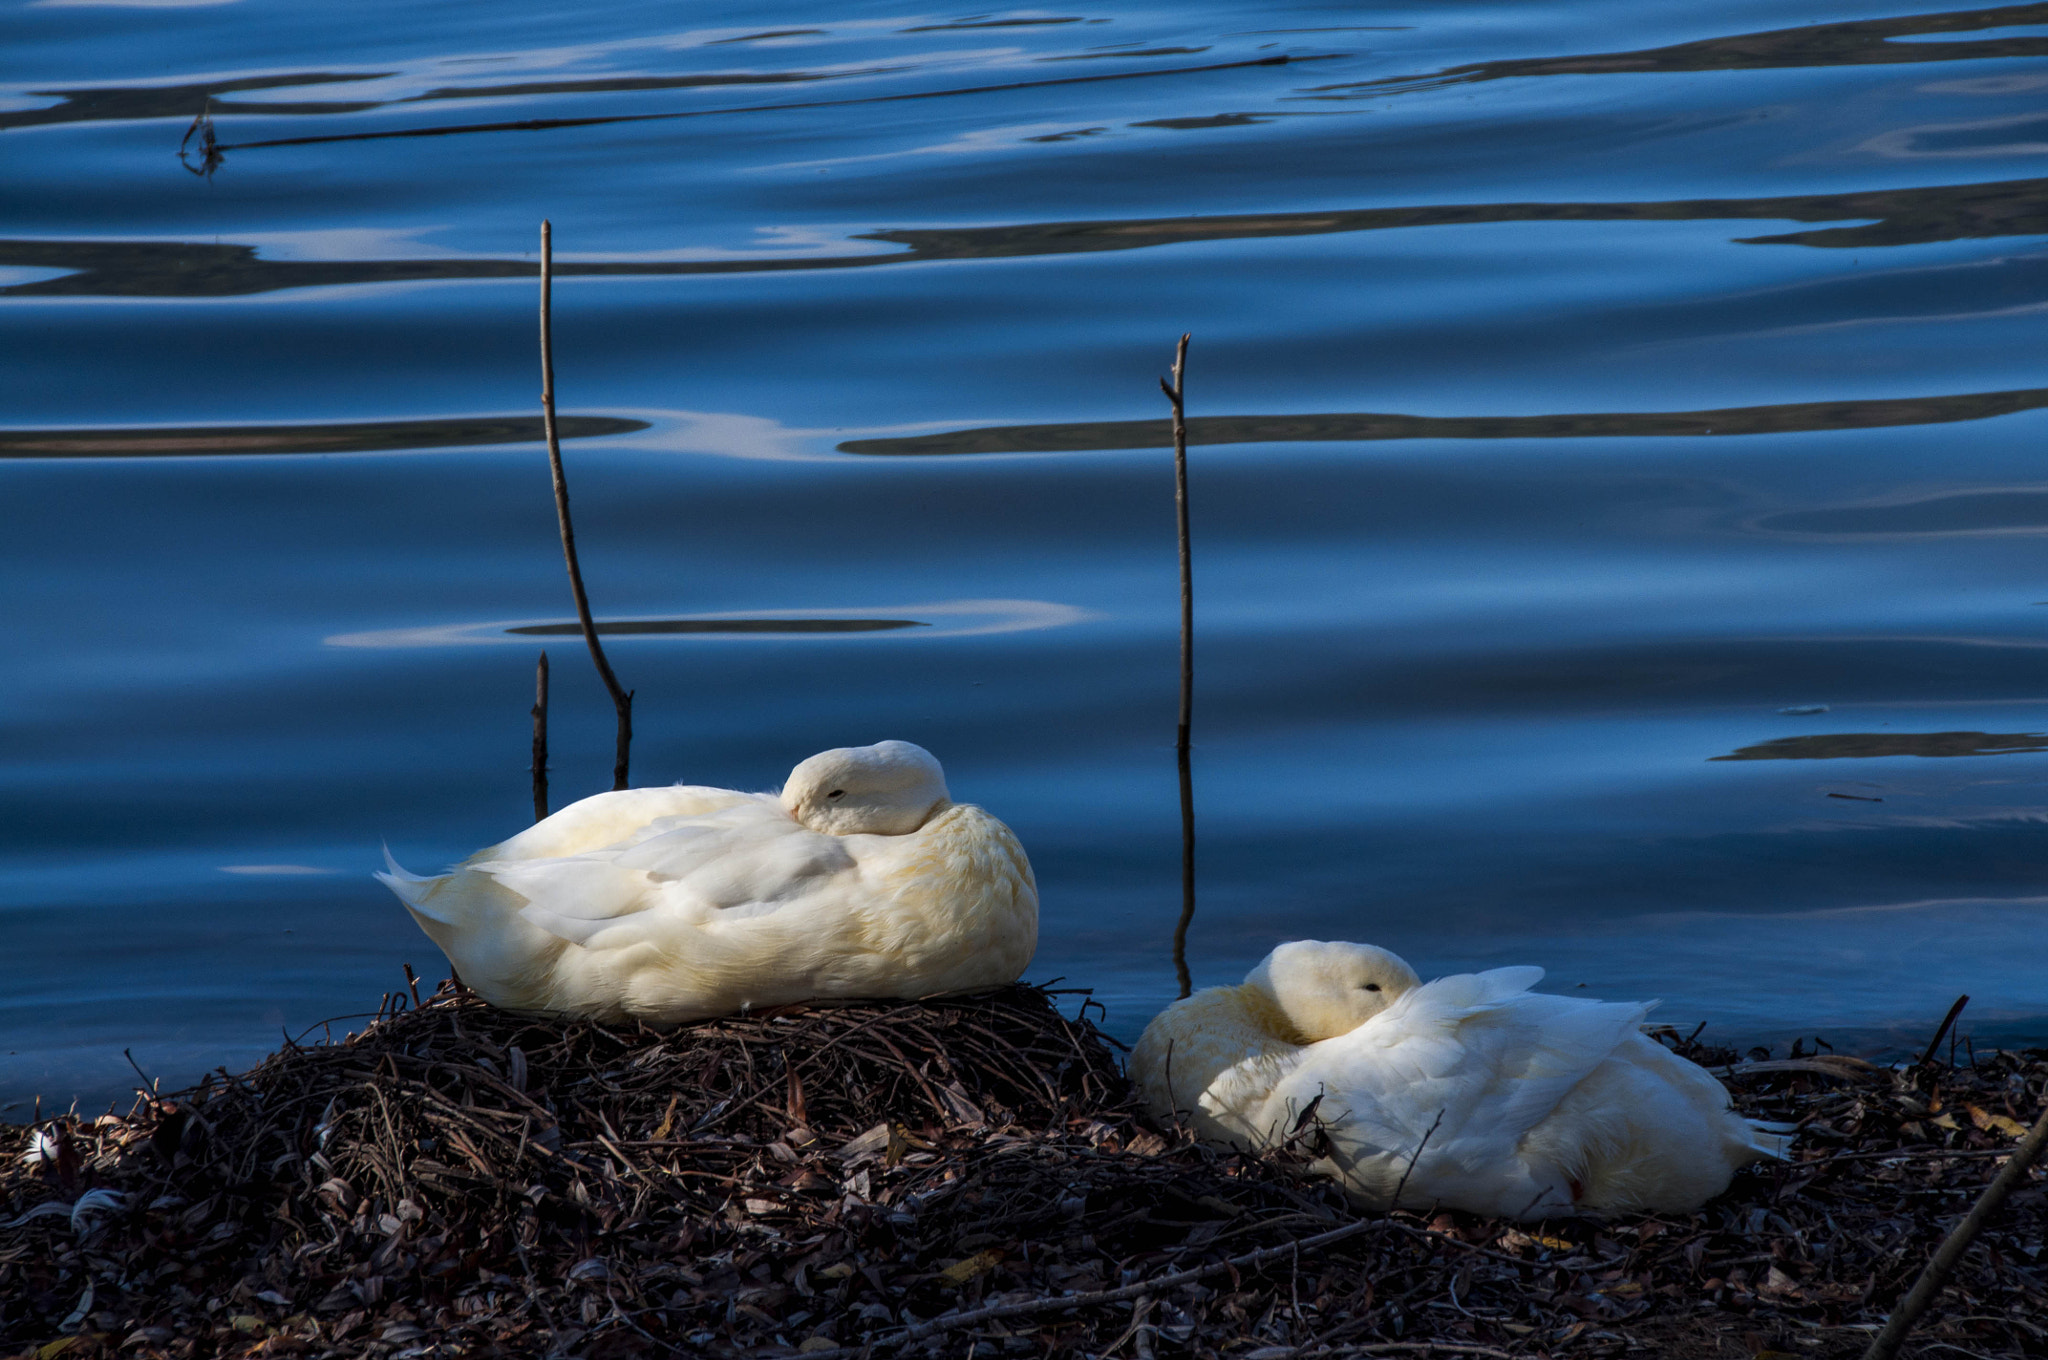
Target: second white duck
{"type": "Point", "coordinates": [863, 878]}
{"type": "Point", "coordinates": [1483, 1095]}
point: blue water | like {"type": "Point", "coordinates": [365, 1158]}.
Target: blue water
{"type": "Point", "coordinates": [1583, 394]}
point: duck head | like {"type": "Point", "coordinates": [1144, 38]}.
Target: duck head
{"type": "Point", "coordinates": [889, 789]}
{"type": "Point", "coordinates": [1328, 988]}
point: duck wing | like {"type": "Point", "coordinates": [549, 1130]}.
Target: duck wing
{"type": "Point", "coordinates": [742, 861]}
{"type": "Point", "coordinates": [609, 820]}
{"type": "Point", "coordinates": [1470, 1062]}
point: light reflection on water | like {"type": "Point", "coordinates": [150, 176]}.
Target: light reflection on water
{"type": "Point", "coordinates": [944, 618]}
{"type": "Point", "coordinates": [1616, 482]}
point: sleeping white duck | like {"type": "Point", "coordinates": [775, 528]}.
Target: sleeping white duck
{"type": "Point", "coordinates": [862, 878]}
{"type": "Point", "coordinates": [1509, 1103]}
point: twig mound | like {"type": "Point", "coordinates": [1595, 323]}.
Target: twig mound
{"type": "Point", "coordinates": [931, 1178]}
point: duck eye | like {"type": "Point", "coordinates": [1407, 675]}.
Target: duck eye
{"type": "Point", "coordinates": [836, 793]}
{"type": "Point", "coordinates": [1372, 986]}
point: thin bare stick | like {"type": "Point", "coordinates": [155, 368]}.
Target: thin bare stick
{"type": "Point", "coordinates": [1413, 1158]}
{"type": "Point", "coordinates": [1942, 1029]}
{"type": "Point", "coordinates": [540, 739]}
{"type": "Point", "coordinates": [148, 1088]}
{"type": "Point", "coordinates": [1957, 1242]}
{"type": "Point", "coordinates": [622, 699]}
{"type": "Point", "coordinates": [1175, 393]}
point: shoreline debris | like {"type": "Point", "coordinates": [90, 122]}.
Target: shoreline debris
{"type": "Point", "coordinates": [955, 1176]}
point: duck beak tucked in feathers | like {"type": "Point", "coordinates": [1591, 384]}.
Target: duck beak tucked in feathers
{"type": "Point", "coordinates": [889, 789]}
{"type": "Point", "coordinates": [863, 878]}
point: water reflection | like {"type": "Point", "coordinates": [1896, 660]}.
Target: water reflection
{"type": "Point", "coordinates": [2023, 510]}
{"type": "Point", "coordinates": [2018, 510]}
{"type": "Point", "coordinates": [1787, 418]}
{"type": "Point", "coordinates": [934, 619]}
{"type": "Point", "coordinates": [624, 84]}
{"type": "Point", "coordinates": [661, 627]}
{"type": "Point", "coordinates": [121, 103]}
{"type": "Point", "coordinates": [768, 36]}
{"type": "Point", "coordinates": [1454, 687]}
{"type": "Point", "coordinates": [2023, 134]}
{"type": "Point", "coordinates": [1905, 39]}
{"type": "Point", "coordinates": [1860, 42]}
{"type": "Point", "coordinates": [1905, 216]}
{"type": "Point", "coordinates": [1864, 745]}
{"type": "Point", "coordinates": [544, 124]}
{"type": "Point", "coordinates": [366, 436]}
{"type": "Point", "coordinates": [991, 23]}
{"type": "Point", "coordinates": [1129, 52]}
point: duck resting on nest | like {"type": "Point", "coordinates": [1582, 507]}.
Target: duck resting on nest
{"type": "Point", "coordinates": [1481, 1094]}
{"type": "Point", "coordinates": [862, 878]}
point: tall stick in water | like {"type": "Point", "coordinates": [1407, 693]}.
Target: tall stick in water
{"type": "Point", "coordinates": [540, 739]}
{"type": "Point", "coordinates": [1175, 394]}
{"type": "Point", "coordinates": [622, 699]}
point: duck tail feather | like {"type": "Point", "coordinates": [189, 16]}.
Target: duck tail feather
{"type": "Point", "coordinates": [1463, 994]}
{"type": "Point", "coordinates": [1502, 983]}
{"type": "Point", "coordinates": [395, 873]}
{"type": "Point", "coordinates": [411, 888]}
{"type": "Point", "coordinates": [1770, 1140]}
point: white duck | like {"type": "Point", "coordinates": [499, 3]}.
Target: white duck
{"type": "Point", "coordinates": [863, 878]}
{"type": "Point", "coordinates": [1508, 1103]}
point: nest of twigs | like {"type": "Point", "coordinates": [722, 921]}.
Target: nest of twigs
{"type": "Point", "coordinates": [951, 1177]}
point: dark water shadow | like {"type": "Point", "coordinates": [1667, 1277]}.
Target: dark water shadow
{"type": "Point", "coordinates": [657, 627]}
{"type": "Point", "coordinates": [81, 104]}
{"type": "Point", "coordinates": [1895, 217]}
{"type": "Point", "coordinates": [764, 37]}
{"type": "Point", "coordinates": [1905, 216]}
{"type": "Point", "coordinates": [1128, 52]}
{"type": "Point", "coordinates": [1214, 120]}
{"type": "Point", "coordinates": [600, 120]}
{"type": "Point", "coordinates": [372, 436]}
{"type": "Point", "coordinates": [628, 84]}
{"type": "Point", "coordinates": [964, 25]}
{"type": "Point", "coordinates": [123, 103]}
{"type": "Point", "coordinates": [1864, 745]}
{"type": "Point", "coordinates": [1861, 42]}
{"type": "Point", "coordinates": [1969, 512]}
{"type": "Point", "coordinates": [1790, 418]}
{"type": "Point", "coordinates": [1855, 43]}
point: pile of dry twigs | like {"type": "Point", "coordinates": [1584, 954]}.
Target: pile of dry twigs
{"type": "Point", "coordinates": [950, 1177]}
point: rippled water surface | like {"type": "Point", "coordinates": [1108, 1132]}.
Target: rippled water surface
{"type": "Point", "coordinates": [1620, 474]}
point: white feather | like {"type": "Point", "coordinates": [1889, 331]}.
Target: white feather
{"type": "Point", "coordinates": [1479, 1093]}
{"type": "Point", "coordinates": [862, 879]}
